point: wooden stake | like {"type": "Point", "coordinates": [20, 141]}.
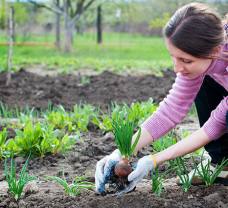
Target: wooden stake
{"type": "Point", "coordinates": [10, 48]}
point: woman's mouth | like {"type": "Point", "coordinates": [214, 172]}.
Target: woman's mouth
{"type": "Point", "coordinates": [185, 73]}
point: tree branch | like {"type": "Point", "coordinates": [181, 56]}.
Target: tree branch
{"type": "Point", "coordinates": [52, 9]}
{"type": "Point", "coordinates": [80, 9]}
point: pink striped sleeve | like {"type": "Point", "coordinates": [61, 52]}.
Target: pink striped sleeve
{"type": "Point", "coordinates": [216, 124]}
{"type": "Point", "coordinates": [174, 107]}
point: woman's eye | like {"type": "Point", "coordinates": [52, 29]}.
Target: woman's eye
{"type": "Point", "coordinates": [186, 61]}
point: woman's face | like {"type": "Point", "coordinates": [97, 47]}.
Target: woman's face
{"type": "Point", "coordinates": [186, 64]}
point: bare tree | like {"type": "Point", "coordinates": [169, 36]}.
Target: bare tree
{"type": "Point", "coordinates": [57, 26]}
{"type": "Point", "coordinates": [71, 10]}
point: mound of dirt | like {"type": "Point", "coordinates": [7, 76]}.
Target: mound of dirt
{"type": "Point", "coordinates": [33, 90]}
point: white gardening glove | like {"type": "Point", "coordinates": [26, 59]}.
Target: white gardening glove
{"type": "Point", "coordinates": [144, 166]}
{"type": "Point", "coordinates": [104, 169]}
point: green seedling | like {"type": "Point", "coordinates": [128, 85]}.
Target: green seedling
{"type": "Point", "coordinates": [59, 119]}
{"type": "Point", "coordinates": [3, 144]}
{"type": "Point", "coordinates": [137, 113]}
{"type": "Point", "coordinates": [157, 182]}
{"type": "Point", "coordinates": [83, 115]}
{"type": "Point", "coordinates": [179, 166]}
{"type": "Point", "coordinates": [28, 139]}
{"type": "Point", "coordinates": [16, 186]}
{"type": "Point", "coordinates": [84, 80]}
{"type": "Point", "coordinates": [206, 173]}
{"type": "Point", "coordinates": [6, 112]}
{"type": "Point", "coordinates": [63, 145]}
{"type": "Point", "coordinates": [39, 139]}
{"type": "Point", "coordinates": [123, 131]}
{"type": "Point", "coordinates": [53, 142]}
{"type": "Point", "coordinates": [75, 187]}
{"type": "Point", "coordinates": [106, 119]}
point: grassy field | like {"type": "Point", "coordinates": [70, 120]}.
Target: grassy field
{"type": "Point", "coordinates": [118, 52]}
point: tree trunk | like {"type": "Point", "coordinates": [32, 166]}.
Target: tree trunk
{"type": "Point", "coordinates": [14, 25]}
{"type": "Point", "coordinates": [10, 48]}
{"type": "Point", "coordinates": [57, 31]}
{"type": "Point", "coordinates": [68, 37]}
{"type": "Point", "coordinates": [99, 24]}
{"type": "Point", "coordinates": [68, 28]}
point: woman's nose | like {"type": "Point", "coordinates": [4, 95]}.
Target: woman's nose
{"type": "Point", "coordinates": [178, 67]}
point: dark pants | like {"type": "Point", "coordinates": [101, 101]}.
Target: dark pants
{"type": "Point", "coordinates": [207, 99]}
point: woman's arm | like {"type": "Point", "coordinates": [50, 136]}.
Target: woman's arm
{"type": "Point", "coordinates": [193, 142]}
{"type": "Point", "coordinates": [144, 139]}
{"type": "Point", "coordinates": [174, 107]}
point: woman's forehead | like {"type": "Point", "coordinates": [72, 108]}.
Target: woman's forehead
{"type": "Point", "coordinates": [176, 52]}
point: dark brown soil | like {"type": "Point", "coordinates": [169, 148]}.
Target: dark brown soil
{"type": "Point", "coordinates": [30, 89]}
{"type": "Point", "coordinates": [82, 161]}
{"type": "Point", "coordinates": [35, 91]}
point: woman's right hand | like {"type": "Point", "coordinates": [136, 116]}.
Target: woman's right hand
{"type": "Point", "coordinates": [104, 168]}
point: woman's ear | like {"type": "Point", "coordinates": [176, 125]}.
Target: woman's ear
{"type": "Point", "coordinates": [216, 51]}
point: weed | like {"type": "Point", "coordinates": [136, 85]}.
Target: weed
{"type": "Point", "coordinates": [157, 182]}
{"type": "Point", "coordinates": [16, 186]}
{"type": "Point", "coordinates": [179, 166]}
{"type": "Point", "coordinates": [206, 173]}
{"type": "Point", "coordinates": [75, 187]}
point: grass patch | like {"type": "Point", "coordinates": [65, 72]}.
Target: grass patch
{"type": "Point", "coordinates": [119, 52]}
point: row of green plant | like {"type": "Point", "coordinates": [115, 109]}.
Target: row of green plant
{"type": "Point", "coordinates": [82, 114]}
{"type": "Point", "coordinates": [52, 132]}
{"type": "Point", "coordinates": [202, 170]}
{"type": "Point", "coordinates": [16, 184]}
{"type": "Point", "coordinates": [37, 139]}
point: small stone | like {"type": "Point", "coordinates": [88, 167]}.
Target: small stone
{"type": "Point", "coordinates": [84, 158]}
{"type": "Point", "coordinates": [190, 196]}
{"type": "Point", "coordinates": [3, 204]}
{"type": "Point", "coordinates": [13, 205]}
{"type": "Point", "coordinates": [75, 157]}
{"type": "Point", "coordinates": [222, 205]}
{"type": "Point", "coordinates": [31, 188]}
{"type": "Point", "coordinates": [22, 204]}
{"type": "Point", "coordinates": [77, 165]}
{"type": "Point", "coordinates": [47, 191]}
{"type": "Point", "coordinates": [212, 198]}
{"type": "Point", "coordinates": [107, 136]}
{"type": "Point", "coordinates": [2, 177]}
{"type": "Point", "coordinates": [19, 160]}
{"type": "Point", "coordinates": [4, 187]}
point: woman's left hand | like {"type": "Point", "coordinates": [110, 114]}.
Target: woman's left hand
{"type": "Point", "coordinates": [144, 166]}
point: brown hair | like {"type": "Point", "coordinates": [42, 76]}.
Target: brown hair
{"type": "Point", "coordinates": [195, 29]}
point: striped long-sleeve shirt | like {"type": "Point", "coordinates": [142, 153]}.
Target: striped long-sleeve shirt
{"type": "Point", "coordinates": [176, 105]}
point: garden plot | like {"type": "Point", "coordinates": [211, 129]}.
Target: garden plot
{"type": "Point", "coordinates": [33, 90]}
{"type": "Point", "coordinates": [94, 143]}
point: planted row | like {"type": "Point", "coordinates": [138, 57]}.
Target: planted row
{"type": "Point", "coordinates": [37, 139]}
{"type": "Point", "coordinates": [82, 115]}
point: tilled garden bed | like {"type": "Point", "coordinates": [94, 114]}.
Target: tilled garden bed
{"type": "Point", "coordinates": [28, 89]}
